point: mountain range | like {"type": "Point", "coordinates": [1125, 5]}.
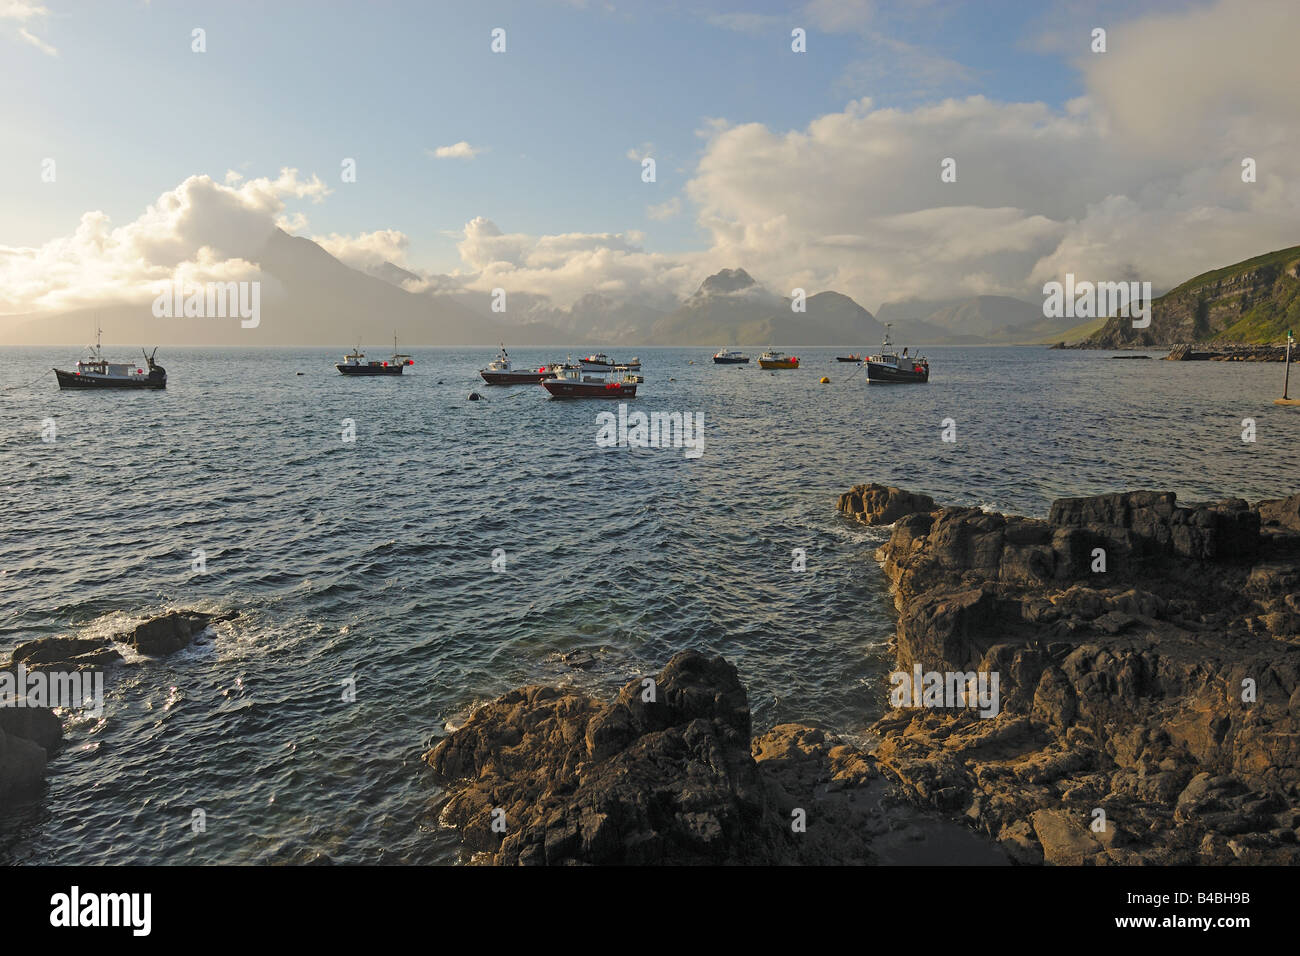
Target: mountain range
{"type": "Point", "coordinates": [309, 297]}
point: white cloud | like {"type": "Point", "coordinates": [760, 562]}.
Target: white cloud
{"type": "Point", "coordinates": [1140, 177]}
{"type": "Point", "coordinates": [37, 42]}
{"type": "Point", "coordinates": [562, 268]}
{"type": "Point", "coordinates": [368, 249]}
{"type": "Point", "coordinates": [461, 150]}
{"type": "Point", "coordinates": [22, 12]}
{"type": "Point", "coordinates": [665, 210]}
{"type": "Point", "coordinates": [200, 230]}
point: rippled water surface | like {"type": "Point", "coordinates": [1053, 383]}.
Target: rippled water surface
{"type": "Point", "coordinates": [373, 559]}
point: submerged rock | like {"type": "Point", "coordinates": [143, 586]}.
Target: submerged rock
{"type": "Point", "coordinates": [29, 736]}
{"type": "Point", "coordinates": [22, 765]}
{"type": "Point", "coordinates": [171, 632]}
{"type": "Point", "coordinates": [66, 653]}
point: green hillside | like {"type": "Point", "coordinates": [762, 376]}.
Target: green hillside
{"type": "Point", "coordinates": [1253, 302]}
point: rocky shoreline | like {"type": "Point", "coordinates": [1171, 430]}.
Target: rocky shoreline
{"type": "Point", "coordinates": [1197, 352]}
{"type": "Point", "coordinates": [31, 735]}
{"type": "Point", "coordinates": [1227, 353]}
{"type": "Point", "coordinates": [1148, 663]}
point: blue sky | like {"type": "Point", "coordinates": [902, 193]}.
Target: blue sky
{"type": "Point", "coordinates": [127, 110]}
{"type": "Point", "coordinates": [817, 170]}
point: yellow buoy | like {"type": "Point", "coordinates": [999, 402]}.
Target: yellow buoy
{"type": "Point", "coordinates": [825, 380]}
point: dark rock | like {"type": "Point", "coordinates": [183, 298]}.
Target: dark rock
{"type": "Point", "coordinates": [674, 780]}
{"type": "Point", "coordinates": [879, 504]}
{"type": "Point", "coordinates": [170, 632]}
{"type": "Point", "coordinates": [581, 660]}
{"type": "Point", "coordinates": [1280, 512]}
{"type": "Point", "coordinates": [22, 765]}
{"type": "Point", "coordinates": [65, 653]}
{"type": "Point", "coordinates": [40, 725]}
{"type": "Point", "coordinates": [1121, 688]}
{"type": "Point", "coordinates": [662, 778]}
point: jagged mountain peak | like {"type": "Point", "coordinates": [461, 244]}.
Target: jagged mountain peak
{"type": "Point", "coordinates": [726, 282]}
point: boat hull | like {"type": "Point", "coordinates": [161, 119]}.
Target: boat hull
{"type": "Point", "coordinates": [730, 361]}
{"type": "Point", "coordinates": [560, 389]}
{"type": "Point", "coordinates": [515, 378]}
{"type": "Point", "coordinates": [848, 358]}
{"type": "Point", "coordinates": [879, 374]}
{"type": "Point", "coordinates": [370, 369]}
{"type": "Point", "coordinates": [72, 381]}
{"type": "Point", "coordinates": [776, 365]}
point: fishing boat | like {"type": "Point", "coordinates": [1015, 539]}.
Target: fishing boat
{"type": "Point", "coordinates": [730, 357]}
{"type": "Point", "coordinates": [849, 358]}
{"type": "Point", "coordinates": [774, 360]}
{"type": "Point", "coordinates": [1286, 378]}
{"type": "Point", "coordinates": [500, 372]}
{"type": "Point", "coordinates": [355, 363]}
{"type": "Point", "coordinates": [97, 372]}
{"type": "Point", "coordinates": [600, 362]}
{"type": "Point", "coordinates": [586, 383]}
{"type": "Point", "coordinates": [890, 368]}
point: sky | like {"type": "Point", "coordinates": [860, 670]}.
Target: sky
{"type": "Point", "coordinates": [524, 168]}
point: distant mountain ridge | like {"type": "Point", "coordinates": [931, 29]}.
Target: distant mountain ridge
{"type": "Point", "coordinates": [974, 320]}
{"type": "Point", "coordinates": [731, 308]}
{"type": "Point", "coordinates": [310, 297]}
{"type": "Point", "coordinates": [1252, 302]}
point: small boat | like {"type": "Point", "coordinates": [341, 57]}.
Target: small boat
{"type": "Point", "coordinates": [354, 363]}
{"type": "Point", "coordinates": [848, 358]}
{"type": "Point", "coordinates": [730, 357]}
{"type": "Point", "coordinates": [98, 372]}
{"type": "Point", "coordinates": [890, 368]}
{"type": "Point", "coordinates": [500, 372]}
{"type": "Point", "coordinates": [600, 362]}
{"type": "Point", "coordinates": [770, 359]}
{"type": "Point", "coordinates": [586, 383]}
